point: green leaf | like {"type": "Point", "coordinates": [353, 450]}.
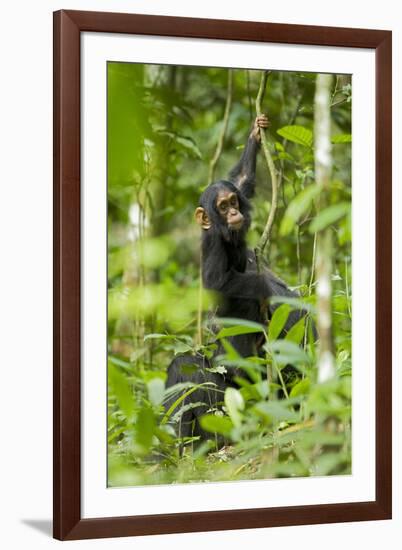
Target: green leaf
{"type": "Point", "coordinates": [164, 435]}
{"type": "Point", "coordinates": [328, 216]}
{"type": "Point", "coordinates": [299, 206]}
{"type": "Point", "coordinates": [156, 390]}
{"type": "Point", "coordinates": [190, 406]}
{"type": "Point", "coordinates": [253, 369]}
{"type": "Point", "coordinates": [216, 424]}
{"type": "Point", "coordinates": [120, 363]}
{"type": "Point", "coordinates": [234, 403]}
{"type": "Point", "coordinates": [297, 134]}
{"type": "Point", "coordinates": [342, 138]}
{"type": "Point", "coordinates": [295, 303]}
{"type": "Point", "coordinates": [321, 437]}
{"type": "Point", "coordinates": [296, 333]}
{"type": "Point", "coordinates": [275, 412]}
{"type": "Point", "coordinates": [144, 429]}
{"type": "Point", "coordinates": [278, 321]}
{"type": "Point", "coordinates": [239, 326]}
{"type": "Point", "coordinates": [236, 331]}
{"type": "Point", "coordinates": [325, 464]}
{"type": "Point", "coordinates": [181, 347]}
{"type": "Point", "coordinates": [301, 388]}
{"type": "Point", "coordinates": [121, 389]}
{"type": "Point", "coordinates": [230, 352]}
{"type": "Point", "coordinates": [285, 352]}
{"type": "Point", "coordinates": [234, 322]}
{"type": "Point", "coordinates": [285, 156]}
{"type": "Point", "coordinates": [157, 336]}
{"type": "Point", "coordinates": [186, 142]}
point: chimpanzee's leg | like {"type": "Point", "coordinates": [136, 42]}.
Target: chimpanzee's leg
{"type": "Point", "coordinates": [206, 397]}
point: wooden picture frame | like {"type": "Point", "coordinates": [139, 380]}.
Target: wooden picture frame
{"type": "Point", "coordinates": [68, 26]}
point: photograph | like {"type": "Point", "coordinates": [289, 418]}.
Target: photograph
{"type": "Point", "coordinates": [229, 274]}
{"type": "Point", "coordinates": [203, 257]}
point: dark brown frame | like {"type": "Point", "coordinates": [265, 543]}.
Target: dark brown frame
{"type": "Point", "coordinates": [68, 26]}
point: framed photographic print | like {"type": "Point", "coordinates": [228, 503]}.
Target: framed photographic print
{"type": "Point", "coordinates": [222, 267]}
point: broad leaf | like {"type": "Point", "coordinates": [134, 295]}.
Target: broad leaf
{"type": "Point", "coordinates": [237, 327]}
{"type": "Point", "coordinates": [158, 336]}
{"type": "Point", "coordinates": [214, 423]}
{"type": "Point", "coordinates": [299, 206]}
{"type": "Point", "coordinates": [236, 331]}
{"type": "Point", "coordinates": [296, 333]}
{"type": "Point", "coordinates": [186, 142]}
{"type": "Point", "coordinates": [295, 303]}
{"type": "Point", "coordinates": [156, 390]}
{"type": "Point", "coordinates": [285, 352]}
{"type": "Point", "coordinates": [342, 138]}
{"type": "Point", "coordinates": [275, 412]}
{"type": "Point", "coordinates": [301, 388]}
{"type": "Point", "coordinates": [234, 403]}
{"type": "Point", "coordinates": [144, 429]}
{"type": "Point", "coordinates": [297, 134]}
{"type": "Point", "coordinates": [328, 216]}
{"type": "Point", "coordinates": [120, 363]}
{"type": "Point", "coordinates": [278, 321]}
{"type": "Point", "coordinates": [122, 390]}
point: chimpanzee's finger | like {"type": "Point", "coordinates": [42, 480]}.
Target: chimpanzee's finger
{"type": "Point", "coordinates": [262, 121]}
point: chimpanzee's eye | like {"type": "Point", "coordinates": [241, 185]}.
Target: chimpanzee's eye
{"type": "Point", "coordinates": [223, 206]}
{"type": "Point", "coordinates": [233, 201]}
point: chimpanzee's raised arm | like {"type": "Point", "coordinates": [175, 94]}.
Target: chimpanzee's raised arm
{"type": "Point", "coordinates": [243, 174]}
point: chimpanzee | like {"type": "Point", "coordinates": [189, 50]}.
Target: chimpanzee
{"type": "Point", "coordinates": [229, 268]}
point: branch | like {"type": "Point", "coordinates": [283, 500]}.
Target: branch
{"type": "Point", "coordinates": [264, 239]}
{"type": "Point", "coordinates": [219, 147]}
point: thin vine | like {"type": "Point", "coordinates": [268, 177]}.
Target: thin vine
{"type": "Point", "coordinates": [265, 237]}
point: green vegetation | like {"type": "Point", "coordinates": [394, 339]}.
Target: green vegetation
{"type": "Point", "coordinates": [164, 130]}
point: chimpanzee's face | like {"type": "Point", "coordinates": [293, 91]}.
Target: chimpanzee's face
{"type": "Point", "coordinates": [227, 204]}
{"type": "Point", "coordinates": [224, 210]}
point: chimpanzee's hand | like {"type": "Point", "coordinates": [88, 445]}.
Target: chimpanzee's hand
{"type": "Point", "coordinates": [260, 122]}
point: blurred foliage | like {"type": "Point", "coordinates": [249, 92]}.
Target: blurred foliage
{"type": "Point", "coordinates": [163, 127]}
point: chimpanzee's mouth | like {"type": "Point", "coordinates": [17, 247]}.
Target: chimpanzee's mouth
{"type": "Point", "coordinates": [236, 226]}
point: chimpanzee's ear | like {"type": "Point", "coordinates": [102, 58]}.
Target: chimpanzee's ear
{"type": "Point", "coordinates": [201, 217]}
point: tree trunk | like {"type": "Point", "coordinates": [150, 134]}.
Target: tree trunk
{"type": "Point", "coordinates": [323, 167]}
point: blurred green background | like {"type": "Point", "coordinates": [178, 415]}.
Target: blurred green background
{"type": "Point", "coordinates": [164, 125]}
